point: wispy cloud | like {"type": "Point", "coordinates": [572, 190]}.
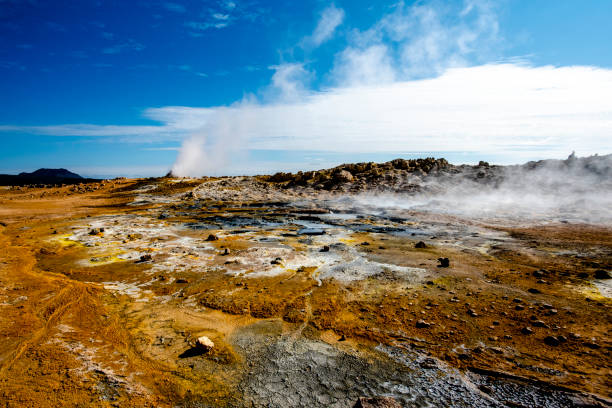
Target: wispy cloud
{"type": "Point", "coordinates": [175, 7]}
{"type": "Point", "coordinates": [330, 19]}
{"type": "Point", "coordinates": [129, 45]}
{"type": "Point", "coordinates": [224, 14]}
{"type": "Point", "coordinates": [205, 25]}
{"type": "Point", "coordinates": [419, 41]}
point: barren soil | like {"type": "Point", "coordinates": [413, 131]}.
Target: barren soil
{"type": "Point", "coordinates": [309, 301]}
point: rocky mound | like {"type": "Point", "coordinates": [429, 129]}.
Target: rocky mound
{"type": "Point", "coordinates": [358, 176]}
{"type": "Point", "coordinates": [433, 174]}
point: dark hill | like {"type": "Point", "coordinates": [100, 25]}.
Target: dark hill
{"type": "Point", "coordinates": [52, 173]}
{"type": "Point", "coordinates": [43, 177]}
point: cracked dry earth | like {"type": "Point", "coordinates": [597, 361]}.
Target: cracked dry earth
{"type": "Point", "coordinates": [309, 300]}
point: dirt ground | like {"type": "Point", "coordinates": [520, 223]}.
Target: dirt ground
{"type": "Point", "coordinates": [92, 317]}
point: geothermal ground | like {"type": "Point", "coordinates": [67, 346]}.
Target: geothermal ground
{"type": "Point", "coordinates": [316, 289]}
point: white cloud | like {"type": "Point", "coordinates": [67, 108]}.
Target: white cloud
{"type": "Point", "coordinates": [513, 111]}
{"type": "Point", "coordinates": [364, 66]}
{"type": "Point", "coordinates": [289, 81]}
{"type": "Point", "coordinates": [419, 41]}
{"type": "Point", "coordinates": [330, 19]}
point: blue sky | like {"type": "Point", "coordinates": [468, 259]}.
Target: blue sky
{"type": "Point", "coordinates": [109, 88]}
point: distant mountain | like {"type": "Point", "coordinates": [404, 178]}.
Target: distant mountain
{"type": "Point", "coordinates": [51, 173]}
{"type": "Point", "coordinates": [43, 176]}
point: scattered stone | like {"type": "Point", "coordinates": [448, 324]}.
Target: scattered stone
{"type": "Point", "coordinates": [324, 249]}
{"type": "Point", "coordinates": [204, 344]}
{"type": "Point", "coordinates": [343, 176]}
{"type": "Point", "coordinates": [94, 231]}
{"type": "Point", "coordinates": [420, 245]}
{"type": "Point", "coordinates": [472, 313]}
{"type": "Point", "coordinates": [276, 261]}
{"type": "Point", "coordinates": [539, 323]}
{"type": "Point", "coordinates": [575, 336]}
{"type": "Point", "coordinates": [145, 258]}
{"type": "Point", "coordinates": [526, 330]}
{"type": "Point", "coordinates": [182, 280]}
{"type": "Point", "coordinates": [429, 363]}
{"type": "Point", "coordinates": [377, 402]}
{"type": "Point", "coordinates": [538, 274]}
{"type": "Point", "coordinates": [226, 252]}
{"type": "Point", "coordinates": [519, 307]}
{"type": "Point", "coordinates": [444, 262]}
{"type": "Point", "coordinates": [485, 389]}
{"type": "Point", "coordinates": [592, 345]}
{"type": "Point", "coordinates": [533, 290]}
{"type": "Point", "coordinates": [422, 324]}
{"type": "Point", "coordinates": [551, 341]}
{"type": "Point", "coordinates": [601, 274]}
{"type": "Point", "coordinates": [212, 237]}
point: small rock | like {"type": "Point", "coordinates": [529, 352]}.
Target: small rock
{"type": "Point", "coordinates": [428, 363]}
{"type": "Point", "coordinates": [444, 262]}
{"type": "Point", "coordinates": [551, 341]}
{"type": "Point", "coordinates": [472, 313]}
{"type": "Point", "coordinates": [145, 258]}
{"type": "Point", "coordinates": [420, 245]}
{"type": "Point", "coordinates": [422, 324]}
{"type": "Point", "coordinates": [324, 249]}
{"type": "Point", "coordinates": [540, 323]}
{"type": "Point", "coordinates": [182, 281]}
{"type": "Point", "coordinates": [526, 330]}
{"type": "Point", "coordinates": [343, 176]}
{"type": "Point", "coordinates": [226, 252]}
{"type": "Point", "coordinates": [204, 343]}
{"type": "Point", "coordinates": [592, 345]}
{"type": "Point", "coordinates": [485, 389]}
{"type": "Point", "coordinates": [533, 290]}
{"type": "Point", "coordinates": [601, 274]}
{"type": "Point", "coordinates": [212, 237]}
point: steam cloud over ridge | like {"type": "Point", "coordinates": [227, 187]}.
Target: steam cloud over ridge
{"type": "Point", "coordinates": [517, 110]}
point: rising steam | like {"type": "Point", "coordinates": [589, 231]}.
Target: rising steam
{"type": "Point", "coordinates": [572, 190]}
